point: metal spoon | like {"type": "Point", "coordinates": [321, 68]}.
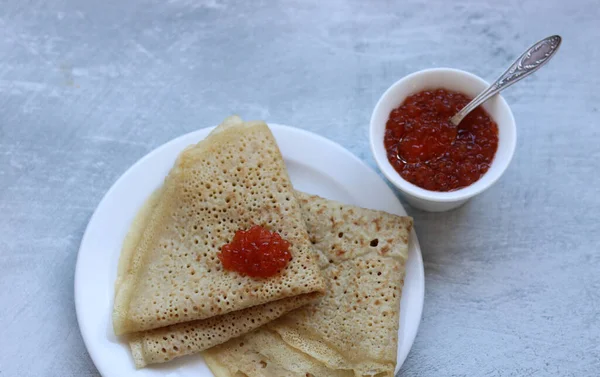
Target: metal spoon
{"type": "Point", "coordinates": [531, 60]}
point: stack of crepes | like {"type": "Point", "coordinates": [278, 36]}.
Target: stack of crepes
{"type": "Point", "coordinates": [332, 311]}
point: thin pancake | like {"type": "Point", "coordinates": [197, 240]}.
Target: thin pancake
{"type": "Point", "coordinates": [354, 328]}
{"type": "Point", "coordinates": [166, 343]}
{"type": "Point", "coordinates": [266, 354]}
{"type": "Point", "coordinates": [169, 271]}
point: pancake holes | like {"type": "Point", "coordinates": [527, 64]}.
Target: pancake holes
{"type": "Point", "coordinates": [374, 242]}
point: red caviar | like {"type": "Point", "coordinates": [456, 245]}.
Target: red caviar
{"type": "Point", "coordinates": [429, 151]}
{"type": "Point", "coordinates": [256, 252]}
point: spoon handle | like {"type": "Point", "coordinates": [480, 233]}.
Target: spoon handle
{"type": "Point", "coordinates": [531, 60]}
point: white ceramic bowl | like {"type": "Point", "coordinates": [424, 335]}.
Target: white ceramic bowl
{"type": "Point", "coordinates": [455, 80]}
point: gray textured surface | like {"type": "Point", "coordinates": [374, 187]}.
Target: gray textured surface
{"type": "Point", "coordinates": [88, 87]}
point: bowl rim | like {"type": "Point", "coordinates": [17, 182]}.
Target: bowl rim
{"type": "Point", "coordinates": [380, 155]}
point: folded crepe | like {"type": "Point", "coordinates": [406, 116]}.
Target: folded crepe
{"type": "Point", "coordinates": [166, 343]}
{"type": "Point", "coordinates": [169, 272]}
{"type": "Point", "coordinates": [353, 329]}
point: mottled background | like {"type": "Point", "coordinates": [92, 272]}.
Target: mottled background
{"type": "Point", "coordinates": [88, 87]}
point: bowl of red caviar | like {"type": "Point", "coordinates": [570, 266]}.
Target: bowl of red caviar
{"type": "Point", "coordinates": [436, 165]}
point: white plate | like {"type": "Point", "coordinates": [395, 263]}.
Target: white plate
{"type": "Point", "coordinates": [315, 164]}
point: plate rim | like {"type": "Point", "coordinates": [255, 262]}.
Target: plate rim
{"type": "Point", "coordinates": [285, 128]}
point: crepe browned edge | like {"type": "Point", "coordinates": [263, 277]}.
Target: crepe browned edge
{"type": "Point", "coordinates": [169, 272]}
{"type": "Point", "coordinates": [167, 343]}
{"type": "Point", "coordinates": [353, 330]}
